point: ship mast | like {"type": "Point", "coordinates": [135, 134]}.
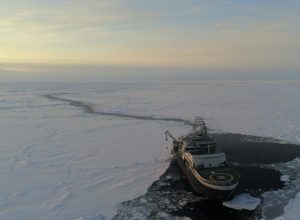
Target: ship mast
{"type": "Point", "coordinates": [199, 125]}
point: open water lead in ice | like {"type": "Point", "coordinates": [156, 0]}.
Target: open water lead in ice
{"type": "Point", "coordinates": [203, 164]}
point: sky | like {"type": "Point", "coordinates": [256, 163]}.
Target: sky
{"type": "Point", "coordinates": [84, 40]}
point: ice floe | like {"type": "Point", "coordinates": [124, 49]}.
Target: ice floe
{"type": "Point", "coordinates": [243, 201]}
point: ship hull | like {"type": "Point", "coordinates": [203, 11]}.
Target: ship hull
{"type": "Point", "coordinates": [200, 187]}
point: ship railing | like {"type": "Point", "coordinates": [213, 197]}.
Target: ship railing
{"type": "Point", "coordinates": [193, 169]}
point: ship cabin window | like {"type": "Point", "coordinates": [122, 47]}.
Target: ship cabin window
{"type": "Point", "coordinates": [198, 150]}
{"type": "Point", "coordinates": [202, 149]}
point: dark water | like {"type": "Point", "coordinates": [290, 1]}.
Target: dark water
{"type": "Point", "coordinates": [171, 197]}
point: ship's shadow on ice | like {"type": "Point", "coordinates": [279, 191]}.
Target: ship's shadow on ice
{"type": "Point", "coordinates": [171, 195]}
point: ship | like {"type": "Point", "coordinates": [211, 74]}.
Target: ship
{"type": "Point", "coordinates": [203, 164]}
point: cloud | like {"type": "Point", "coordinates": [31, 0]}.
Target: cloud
{"type": "Point", "coordinates": [190, 34]}
{"type": "Point", "coordinates": [72, 16]}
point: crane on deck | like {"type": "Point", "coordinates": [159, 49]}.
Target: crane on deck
{"type": "Point", "coordinates": [168, 134]}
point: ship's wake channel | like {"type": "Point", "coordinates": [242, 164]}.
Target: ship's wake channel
{"type": "Point", "coordinates": [88, 108]}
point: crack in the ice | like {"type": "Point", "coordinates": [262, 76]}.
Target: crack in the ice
{"type": "Point", "coordinates": [89, 109]}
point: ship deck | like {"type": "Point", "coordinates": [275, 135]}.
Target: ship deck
{"type": "Point", "coordinates": [223, 176]}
